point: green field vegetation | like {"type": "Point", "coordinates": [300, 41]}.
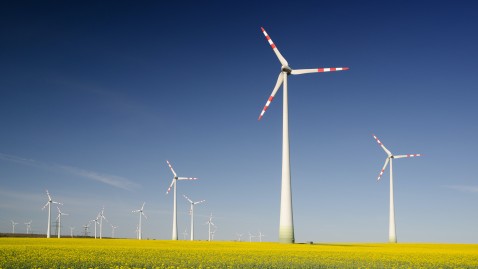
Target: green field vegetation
{"type": "Point", "coordinates": [122, 253]}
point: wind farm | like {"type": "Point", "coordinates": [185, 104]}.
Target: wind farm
{"type": "Point", "coordinates": [115, 116]}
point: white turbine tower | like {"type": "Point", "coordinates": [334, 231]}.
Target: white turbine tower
{"type": "Point", "coordinates": [59, 220]}
{"type": "Point", "coordinates": [101, 216]}
{"type": "Point", "coordinates": [95, 222]}
{"type": "Point", "coordinates": [13, 226]}
{"type": "Point", "coordinates": [141, 213]}
{"type": "Point", "coordinates": [50, 201]}
{"type": "Point", "coordinates": [286, 226]}
{"type": "Point", "coordinates": [71, 231]}
{"type": "Point", "coordinates": [209, 223]}
{"type": "Point", "coordinates": [113, 228]}
{"type": "Point", "coordinates": [29, 226]}
{"type": "Point", "coordinates": [191, 212]}
{"type": "Point", "coordinates": [173, 184]}
{"type": "Point", "coordinates": [392, 235]}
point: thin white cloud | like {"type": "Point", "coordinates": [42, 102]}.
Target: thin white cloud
{"type": "Point", "coordinates": [462, 188]}
{"type": "Point", "coordinates": [112, 180]}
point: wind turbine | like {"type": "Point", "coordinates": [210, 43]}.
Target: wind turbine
{"type": "Point", "coordinates": [191, 212]}
{"type": "Point", "coordinates": [185, 234]}
{"type": "Point", "coordinates": [13, 226]}
{"type": "Point", "coordinates": [59, 220]}
{"type": "Point", "coordinates": [286, 226]}
{"type": "Point", "coordinates": [392, 235]}
{"type": "Point", "coordinates": [250, 237]}
{"type": "Point", "coordinates": [209, 222]}
{"type": "Point", "coordinates": [29, 226]}
{"type": "Point", "coordinates": [141, 213]}
{"type": "Point", "coordinates": [173, 183]}
{"type": "Point", "coordinates": [239, 236]}
{"type": "Point", "coordinates": [96, 222]}
{"type": "Point", "coordinates": [71, 231]}
{"type": "Point", "coordinates": [113, 228]}
{"type": "Point", "coordinates": [50, 201]}
{"type": "Point", "coordinates": [101, 216]}
{"type": "Point", "coordinates": [260, 236]}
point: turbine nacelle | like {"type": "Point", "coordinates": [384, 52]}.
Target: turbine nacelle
{"type": "Point", "coordinates": [287, 69]}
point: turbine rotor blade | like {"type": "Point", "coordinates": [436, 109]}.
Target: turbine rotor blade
{"type": "Point", "coordinates": [407, 156]}
{"type": "Point", "coordinates": [383, 147]}
{"type": "Point", "coordinates": [383, 169]}
{"type": "Point", "coordinates": [187, 178]}
{"type": "Point", "coordinates": [318, 70]}
{"type": "Point", "coordinates": [142, 206]}
{"type": "Point", "coordinates": [45, 205]}
{"type": "Point", "coordinates": [274, 48]}
{"type": "Point", "coordinates": [172, 170]}
{"type": "Point", "coordinates": [195, 203]}
{"type": "Point", "coordinates": [279, 82]}
{"type": "Point", "coordinates": [170, 186]}
{"type": "Point", "coordinates": [49, 197]}
{"type": "Point", "coordinates": [188, 199]}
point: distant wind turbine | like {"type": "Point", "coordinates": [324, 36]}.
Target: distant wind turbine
{"type": "Point", "coordinates": [101, 217]}
{"type": "Point", "coordinates": [260, 236]}
{"type": "Point", "coordinates": [173, 184]}
{"type": "Point", "coordinates": [239, 236]}
{"type": "Point", "coordinates": [286, 227]}
{"type": "Point", "coordinates": [71, 231]}
{"type": "Point", "coordinates": [392, 235]}
{"type": "Point", "coordinates": [250, 237]}
{"type": "Point", "coordinates": [191, 212]}
{"type": "Point", "coordinates": [141, 213]}
{"type": "Point", "coordinates": [113, 228]}
{"type": "Point", "coordinates": [95, 221]}
{"type": "Point", "coordinates": [59, 220]}
{"type": "Point", "coordinates": [50, 201]}
{"type": "Point", "coordinates": [29, 226]}
{"type": "Point", "coordinates": [185, 234]}
{"type": "Point", "coordinates": [209, 223]}
{"type": "Point", "coordinates": [13, 226]}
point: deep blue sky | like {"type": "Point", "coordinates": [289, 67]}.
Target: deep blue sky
{"type": "Point", "coordinates": [95, 97]}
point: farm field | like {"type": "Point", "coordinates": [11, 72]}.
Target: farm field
{"type": "Point", "coordinates": [124, 253]}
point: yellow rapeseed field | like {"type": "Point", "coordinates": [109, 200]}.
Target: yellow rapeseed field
{"type": "Point", "coordinates": [122, 254]}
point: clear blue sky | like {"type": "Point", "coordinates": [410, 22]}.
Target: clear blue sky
{"type": "Point", "coordinates": [95, 97]}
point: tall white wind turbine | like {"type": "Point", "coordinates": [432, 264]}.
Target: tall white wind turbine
{"type": "Point", "coordinates": [13, 226]}
{"type": "Point", "coordinates": [50, 201]}
{"type": "Point", "coordinates": [101, 217]}
{"type": "Point", "coordinates": [173, 184]}
{"type": "Point", "coordinates": [191, 212]}
{"type": "Point", "coordinates": [141, 213]}
{"type": "Point", "coordinates": [286, 226]}
{"type": "Point", "coordinates": [392, 235]}
{"type": "Point", "coordinates": [59, 220]}
{"type": "Point", "coordinates": [95, 221]}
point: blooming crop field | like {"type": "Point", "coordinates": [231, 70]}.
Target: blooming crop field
{"type": "Point", "coordinates": [123, 253]}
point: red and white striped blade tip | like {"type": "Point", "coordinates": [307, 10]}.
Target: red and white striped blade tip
{"type": "Point", "coordinates": [332, 69]}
